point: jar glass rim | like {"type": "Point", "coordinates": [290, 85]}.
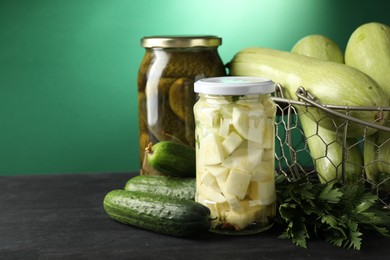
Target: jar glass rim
{"type": "Point", "coordinates": [181, 41]}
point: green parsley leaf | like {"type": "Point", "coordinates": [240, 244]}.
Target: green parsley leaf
{"type": "Point", "coordinates": [330, 194]}
{"type": "Point", "coordinates": [340, 214]}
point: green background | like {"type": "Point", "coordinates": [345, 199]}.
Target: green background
{"type": "Point", "coordinates": [68, 68]}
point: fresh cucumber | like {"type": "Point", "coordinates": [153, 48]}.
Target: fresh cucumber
{"type": "Point", "coordinates": [172, 159]}
{"type": "Point", "coordinates": [181, 188]}
{"type": "Point", "coordinates": [160, 214]}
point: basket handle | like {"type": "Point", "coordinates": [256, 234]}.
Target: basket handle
{"type": "Point", "coordinates": [306, 96]}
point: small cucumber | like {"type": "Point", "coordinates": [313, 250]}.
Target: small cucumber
{"type": "Point", "coordinates": [181, 188]}
{"type": "Point", "coordinates": [171, 158]}
{"type": "Point", "coordinates": [159, 214]}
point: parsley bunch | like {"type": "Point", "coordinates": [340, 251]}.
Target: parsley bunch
{"type": "Point", "coordinates": [338, 213]}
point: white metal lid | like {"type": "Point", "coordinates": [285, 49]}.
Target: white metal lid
{"type": "Point", "coordinates": [234, 85]}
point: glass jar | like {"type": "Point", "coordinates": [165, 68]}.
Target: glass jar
{"type": "Point", "coordinates": [166, 97]}
{"type": "Point", "coordinates": [235, 153]}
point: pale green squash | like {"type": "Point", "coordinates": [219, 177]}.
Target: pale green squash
{"type": "Point", "coordinates": [326, 146]}
{"type": "Point", "coordinates": [319, 46]}
{"type": "Point", "coordinates": [330, 82]}
{"type": "Point", "coordinates": [368, 49]}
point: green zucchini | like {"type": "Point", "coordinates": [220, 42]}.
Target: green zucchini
{"type": "Point", "coordinates": [330, 82]}
{"type": "Point", "coordinates": [181, 188]}
{"type": "Point", "coordinates": [160, 214]}
{"type": "Point", "coordinates": [326, 149]}
{"type": "Point", "coordinates": [172, 159]}
{"type": "Point", "coordinates": [326, 146]}
{"type": "Point", "coordinates": [377, 159]}
{"type": "Point", "coordinates": [320, 47]}
{"type": "Point", "coordinates": [368, 49]}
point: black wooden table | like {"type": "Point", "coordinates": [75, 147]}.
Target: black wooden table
{"type": "Point", "coordinates": [62, 217]}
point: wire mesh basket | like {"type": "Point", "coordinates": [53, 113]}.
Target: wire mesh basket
{"type": "Point", "coordinates": [329, 143]}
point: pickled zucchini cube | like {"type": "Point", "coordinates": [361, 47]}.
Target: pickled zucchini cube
{"type": "Point", "coordinates": [264, 171]}
{"type": "Point", "coordinates": [211, 151]}
{"type": "Point", "coordinates": [233, 201]}
{"type": "Point", "coordinates": [249, 123]}
{"type": "Point", "coordinates": [231, 142]}
{"type": "Point", "coordinates": [209, 117]}
{"type": "Point", "coordinates": [269, 134]}
{"type": "Point", "coordinates": [237, 184]}
{"type": "Point", "coordinates": [263, 192]}
{"type": "Point", "coordinates": [220, 173]}
{"type": "Point", "coordinates": [211, 194]}
{"type": "Point", "coordinates": [244, 159]}
{"type": "Point", "coordinates": [224, 127]}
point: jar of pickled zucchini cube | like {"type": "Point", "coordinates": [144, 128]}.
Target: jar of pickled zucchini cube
{"type": "Point", "coordinates": [235, 149]}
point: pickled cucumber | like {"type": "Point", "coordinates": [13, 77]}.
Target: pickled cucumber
{"type": "Point", "coordinates": [182, 99]}
{"type": "Point", "coordinates": [165, 92]}
{"type": "Point", "coordinates": [156, 112]}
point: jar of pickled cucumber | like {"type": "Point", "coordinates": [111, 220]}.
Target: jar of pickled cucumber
{"type": "Point", "coordinates": [168, 70]}
{"type": "Point", "coordinates": [235, 152]}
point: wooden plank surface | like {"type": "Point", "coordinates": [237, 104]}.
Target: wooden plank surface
{"type": "Point", "coordinates": [62, 217]}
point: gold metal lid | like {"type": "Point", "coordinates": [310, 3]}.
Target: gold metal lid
{"type": "Point", "coordinates": [181, 41]}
